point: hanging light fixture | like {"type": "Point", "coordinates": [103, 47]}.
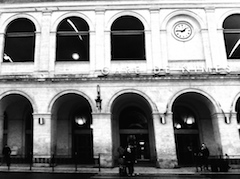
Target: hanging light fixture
{"type": "Point", "coordinates": [80, 120]}
{"type": "Point", "coordinates": [189, 120]}
{"type": "Point", "coordinates": [98, 99]}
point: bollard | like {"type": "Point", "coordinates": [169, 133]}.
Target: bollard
{"type": "Point", "coordinates": [99, 162]}
{"type": "Point", "coordinates": [52, 161]}
{"type": "Point", "coordinates": [30, 160]}
{"type": "Point", "coordinates": [76, 161]}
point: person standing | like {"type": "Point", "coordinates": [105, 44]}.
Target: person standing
{"type": "Point", "coordinates": [205, 154]}
{"type": "Point", "coordinates": [130, 158]}
{"type": "Point", "coordinates": [6, 155]}
{"type": "Point", "coordinates": [121, 161]}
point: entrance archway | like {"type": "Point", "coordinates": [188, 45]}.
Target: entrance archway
{"type": "Point", "coordinates": [17, 124]}
{"type": "Point", "coordinates": [72, 134]}
{"type": "Point", "coordinates": [132, 116]}
{"type": "Point", "coordinates": [194, 124]}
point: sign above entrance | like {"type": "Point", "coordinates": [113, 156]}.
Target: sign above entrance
{"type": "Point", "coordinates": [167, 70]}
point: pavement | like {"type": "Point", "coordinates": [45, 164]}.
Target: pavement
{"type": "Point", "coordinates": [113, 171]}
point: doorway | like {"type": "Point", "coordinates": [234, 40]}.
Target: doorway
{"type": "Point", "coordinates": [132, 116]}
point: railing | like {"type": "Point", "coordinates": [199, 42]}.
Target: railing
{"type": "Point", "coordinates": [223, 162]}
{"type": "Point", "coordinates": [53, 161]}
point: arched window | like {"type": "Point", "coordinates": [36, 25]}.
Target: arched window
{"type": "Point", "coordinates": [19, 41]}
{"type": "Point", "coordinates": [231, 27]}
{"type": "Point", "coordinates": [127, 39]}
{"type": "Point", "coordinates": [73, 40]}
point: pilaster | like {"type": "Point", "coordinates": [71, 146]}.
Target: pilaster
{"type": "Point", "coordinates": [43, 48]}
{"type": "Point", "coordinates": [102, 138]}
{"type": "Point", "coordinates": [165, 141]}
{"type": "Point", "coordinates": [99, 45]}
{"type": "Point", "coordinates": [1, 131]}
{"type": "Point", "coordinates": [42, 135]}
{"type": "Point", "coordinates": [155, 43]}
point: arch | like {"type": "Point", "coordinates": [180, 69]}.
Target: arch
{"type": "Point", "coordinates": [127, 13]}
{"type": "Point", "coordinates": [119, 93]}
{"type": "Point", "coordinates": [57, 96]}
{"type": "Point", "coordinates": [163, 26]}
{"type": "Point", "coordinates": [216, 105]}
{"type": "Point", "coordinates": [234, 103]}
{"type": "Point", "coordinates": [224, 16]}
{"type": "Point", "coordinates": [35, 110]}
{"type": "Point", "coordinates": [64, 16]}
{"type": "Point", "coordinates": [3, 27]}
{"type": "Point", "coordinates": [131, 114]}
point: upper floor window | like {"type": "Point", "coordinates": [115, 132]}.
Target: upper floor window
{"type": "Point", "coordinates": [231, 27]}
{"type": "Point", "coordinates": [73, 40]}
{"type": "Point", "coordinates": [127, 39]}
{"type": "Point", "coordinates": [19, 41]}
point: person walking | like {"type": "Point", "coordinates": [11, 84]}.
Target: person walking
{"type": "Point", "coordinates": [6, 155]}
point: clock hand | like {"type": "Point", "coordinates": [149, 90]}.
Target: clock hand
{"type": "Point", "coordinates": [181, 30]}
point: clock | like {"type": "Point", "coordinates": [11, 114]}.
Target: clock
{"type": "Point", "coordinates": [183, 31]}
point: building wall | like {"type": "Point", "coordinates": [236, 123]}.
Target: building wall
{"type": "Point", "coordinates": [172, 68]}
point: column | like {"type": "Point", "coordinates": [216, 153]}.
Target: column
{"type": "Point", "coordinates": [102, 138]}
{"type": "Point", "coordinates": [42, 135]}
{"type": "Point", "coordinates": [165, 141]}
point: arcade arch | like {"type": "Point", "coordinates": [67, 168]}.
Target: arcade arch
{"type": "Point", "coordinates": [72, 128]}
{"type": "Point", "coordinates": [132, 116]}
{"type": "Point", "coordinates": [194, 122]}
{"type": "Point", "coordinates": [16, 124]}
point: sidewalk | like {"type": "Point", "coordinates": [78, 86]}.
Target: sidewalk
{"type": "Point", "coordinates": [112, 171]}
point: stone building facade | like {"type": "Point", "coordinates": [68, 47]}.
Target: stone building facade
{"type": "Point", "coordinates": [166, 72]}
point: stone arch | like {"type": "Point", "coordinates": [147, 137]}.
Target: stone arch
{"type": "Point", "coordinates": [71, 113]}
{"type": "Point", "coordinates": [191, 14]}
{"type": "Point", "coordinates": [66, 15]}
{"type": "Point", "coordinates": [30, 99]}
{"type": "Point", "coordinates": [17, 109]}
{"type": "Point", "coordinates": [216, 105]}
{"type": "Point", "coordinates": [151, 103]}
{"type": "Point", "coordinates": [195, 116]}
{"type": "Point", "coordinates": [49, 108]}
{"type": "Point", "coordinates": [131, 115]}
{"type": "Point", "coordinates": [224, 16]}
{"type": "Point", "coordinates": [127, 13]}
{"type": "Point", "coordinates": [36, 23]}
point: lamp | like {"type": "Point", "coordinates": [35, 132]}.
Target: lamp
{"type": "Point", "coordinates": [189, 119]}
{"type": "Point", "coordinates": [80, 120]}
{"type": "Point", "coordinates": [41, 120]}
{"type": "Point", "coordinates": [163, 118]}
{"type": "Point", "coordinates": [98, 100]}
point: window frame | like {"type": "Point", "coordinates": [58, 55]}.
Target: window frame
{"type": "Point", "coordinates": [128, 33]}
{"type": "Point", "coordinates": [11, 48]}
{"type": "Point", "coordinates": [60, 57]}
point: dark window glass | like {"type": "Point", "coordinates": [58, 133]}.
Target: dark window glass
{"type": "Point", "coordinates": [20, 41]}
{"type": "Point", "coordinates": [127, 39]}
{"type": "Point", "coordinates": [73, 40]}
{"type": "Point", "coordinates": [232, 36]}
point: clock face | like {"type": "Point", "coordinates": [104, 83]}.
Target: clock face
{"type": "Point", "coordinates": [182, 30]}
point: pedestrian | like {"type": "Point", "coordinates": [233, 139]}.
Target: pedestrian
{"type": "Point", "coordinates": [130, 154]}
{"type": "Point", "coordinates": [130, 158]}
{"type": "Point", "coordinates": [204, 152]}
{"type": "Point", "coordinates": [121, 161]}
{"type": "Point", "coordinates": [6, 155]}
